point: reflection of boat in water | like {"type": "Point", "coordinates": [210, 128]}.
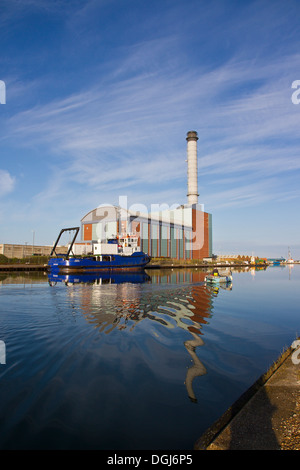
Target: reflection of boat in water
{"type": "Point", "coordinates": [215, 288]}
{"type": "Point", "coordinates": [116, 254]}
{"type": "Point", "coordinates": [105, 277]}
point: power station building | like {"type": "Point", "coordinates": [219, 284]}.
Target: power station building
{"type": "Point", "coordinates": [183, 232]}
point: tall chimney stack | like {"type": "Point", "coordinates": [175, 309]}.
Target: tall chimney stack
{"type": "Point", "coordinates": [192, 194]}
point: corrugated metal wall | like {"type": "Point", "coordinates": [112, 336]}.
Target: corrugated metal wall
{"type": "Point", "coordinates": [210, 235]}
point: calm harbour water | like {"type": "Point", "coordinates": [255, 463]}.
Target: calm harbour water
{"type": "Point", "coordinates": [142, 362]}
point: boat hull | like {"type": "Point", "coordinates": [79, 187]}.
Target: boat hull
{"type": "Point", "coordinates": [137, 260]}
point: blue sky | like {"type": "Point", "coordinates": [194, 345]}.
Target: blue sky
{"type": "Point", "coordinates": [101, 93]}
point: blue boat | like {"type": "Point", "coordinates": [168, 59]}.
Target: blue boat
{"type": "Point", "coordinates": [114, 255]}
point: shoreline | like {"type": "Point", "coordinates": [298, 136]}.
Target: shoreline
{"type": "Point", "coordinates": [44, 267]}
{"type": "Point", "coordinates": [154, 265]}
{"type": "Point", "coordinates": [22, 267]}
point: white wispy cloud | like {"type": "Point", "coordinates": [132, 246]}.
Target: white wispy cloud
{"type": "Point", "coordinates": [7, 182]}
{"type": "Point", "coordinates": [125, 133]}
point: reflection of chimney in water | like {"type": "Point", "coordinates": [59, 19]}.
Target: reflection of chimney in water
{"type": "Point", "coordinates": [192, 194]}
{"type": "Point", "coordinates": [195, 370]}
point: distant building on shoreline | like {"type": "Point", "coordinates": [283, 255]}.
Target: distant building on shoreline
{"type": "Point", "coordinates": [25, 251]}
